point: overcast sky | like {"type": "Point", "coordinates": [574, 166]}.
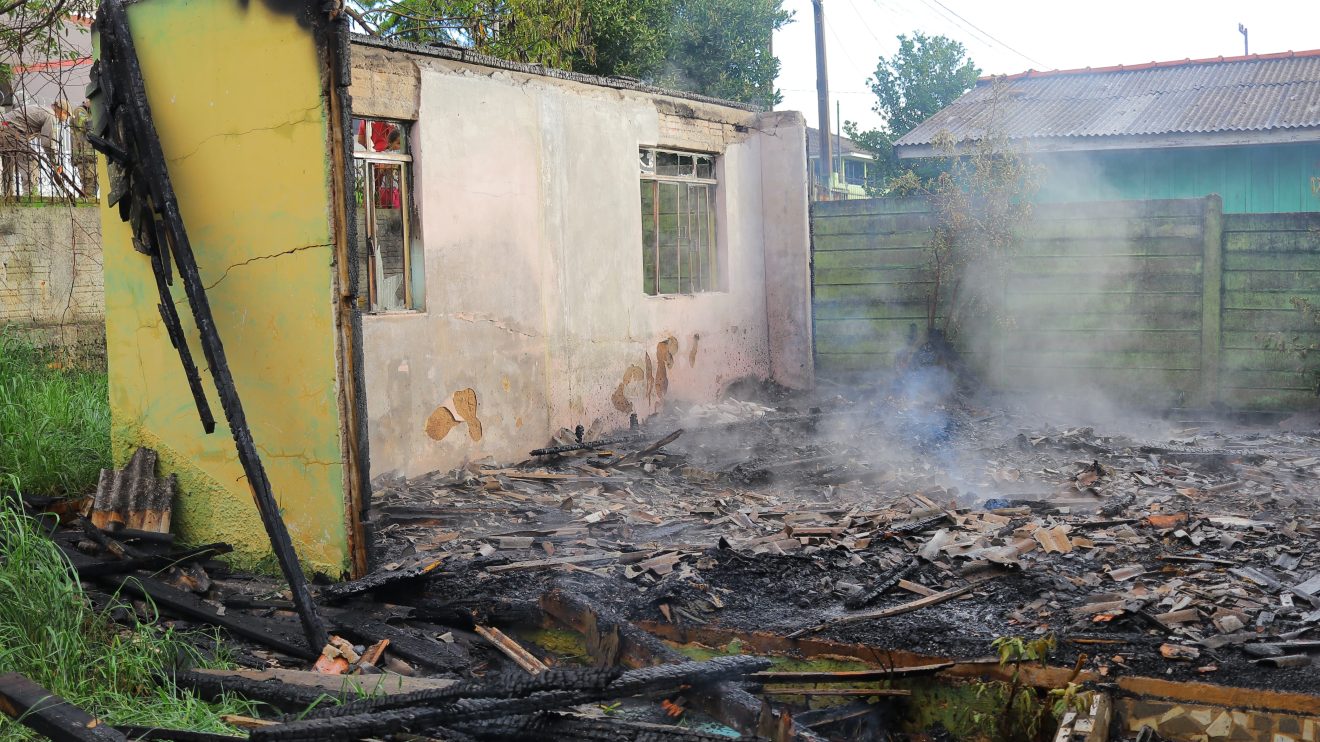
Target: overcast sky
{"type": "Point", "coordinates": [1008, 36]}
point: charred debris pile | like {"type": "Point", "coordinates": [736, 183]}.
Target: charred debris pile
{"type": "Point", "coordinates": [890, 524]}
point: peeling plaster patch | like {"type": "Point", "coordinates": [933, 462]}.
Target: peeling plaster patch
{"type": "Point", "coordinates": [692, 354]}
{"type": "Point", "coordinates": [620, 398]}
{"type": "Point", "coordinates": [465, 401]}
{"type": "Point", "coordinates": [650, 380]}
{"type": "Point", "coordinates": [665, 350]}
{"type": "Point", "coordinates": [440, 423]}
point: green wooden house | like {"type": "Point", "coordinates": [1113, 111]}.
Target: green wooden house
{"type": "Point", "coordinates": [1246, 128]}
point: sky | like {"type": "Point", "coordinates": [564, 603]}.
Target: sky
{"type": "Point", "coordinates": [1009, 36]}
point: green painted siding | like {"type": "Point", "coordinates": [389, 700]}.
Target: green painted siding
{"type": "Point", "coordinates": [1250, 179]}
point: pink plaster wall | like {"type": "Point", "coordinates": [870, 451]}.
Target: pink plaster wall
{"type": "Point", "coordinates": [529, 207]}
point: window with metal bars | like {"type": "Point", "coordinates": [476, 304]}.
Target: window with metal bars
{"type": "Point", "coordinates": [678, 222]}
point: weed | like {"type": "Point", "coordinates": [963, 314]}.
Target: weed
{"type": "Point", "coordinates": [49, 633]}
{"type": "Point", "coordinates": [54, 421]}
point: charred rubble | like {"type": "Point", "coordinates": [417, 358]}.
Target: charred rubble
{"type": "Point", "coordinates": [882, 522]}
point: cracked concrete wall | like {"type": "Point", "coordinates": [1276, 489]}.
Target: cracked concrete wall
{"type": "Point", "coordinates": [528, 191]}
{"type": "Point", "coordinates": [237, 97]}
{"type": "Point", "coordinates": [50, 274]}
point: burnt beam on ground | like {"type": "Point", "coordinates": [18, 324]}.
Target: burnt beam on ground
{"type": "Point", "coordinates": [265, 632]}
{"type": "Point", "coordinates": [47, 714]}
{"type": "Point", "coordinates": [613, 640]}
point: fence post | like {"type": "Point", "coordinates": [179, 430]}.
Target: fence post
{"type": "Point", "coordinates": [1212, 286]}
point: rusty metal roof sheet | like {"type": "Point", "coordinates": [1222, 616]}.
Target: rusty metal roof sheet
{"type": "Point", "coordinates": [1237, 94]}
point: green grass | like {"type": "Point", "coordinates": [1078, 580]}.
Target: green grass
{"type": "Point", "coordinates": [49, 632]}
{"type": "Point", "coordinates": [54, 440]}
{"type": "Point", "coordinates": [54, 421]}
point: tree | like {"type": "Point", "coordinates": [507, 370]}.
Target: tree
{"type": "Point", "coordinates": [926, 74]}
{"type": "Point", "coordinates": [981, 198]}
{"type": "Point", "coordinates": [627, 38]}
{"type": "Point", "coordinates": [36, 31]}
{"type": "Point", "coordinates": [719, 48]}
{"type": "Point", "coordinates": [546, 32]}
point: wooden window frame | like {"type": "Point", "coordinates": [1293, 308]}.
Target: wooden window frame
{"type": "Point", "coordinates": [375, 264]}
{"type": "Point", "coordinates": [703, 279]}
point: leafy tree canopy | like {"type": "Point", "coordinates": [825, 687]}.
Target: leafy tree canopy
{"type": "Point", "coordinates": [926, 74]}
{"type": "Point", "coordinates": [36, 31]}
{"type": "Point", "coordinates": [714, 47]}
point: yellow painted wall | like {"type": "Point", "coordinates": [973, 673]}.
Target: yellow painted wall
{"type": "Point", "coordinates": [236, 93]}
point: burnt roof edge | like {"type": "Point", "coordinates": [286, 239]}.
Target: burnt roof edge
{"type": "Point", "coordinates": [482, 60]}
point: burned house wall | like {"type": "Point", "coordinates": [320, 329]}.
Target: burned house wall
{"type": "Point", "coordinates": [527, 190]}
{"type": "Point", "coordinates": [51, 289]}
{"type": "Point", "coordinates": [237, 96]}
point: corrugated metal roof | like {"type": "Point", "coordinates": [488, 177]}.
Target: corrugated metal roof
{"type": "Point", "coordinates": [1239, 94]}
{"type": "Point", "coordinates": [849, 146]}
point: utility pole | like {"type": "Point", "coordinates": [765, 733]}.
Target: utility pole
{"type": "Point", "coordinates": [823, 100]}
{"type": "Point", "coordinates": [1243, 30]}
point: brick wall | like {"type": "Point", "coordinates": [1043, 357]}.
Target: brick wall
{"type": "Point", "coordinates": [50, 274]}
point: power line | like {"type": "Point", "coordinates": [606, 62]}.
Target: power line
{"type": "Point", "coordinates": [857, 12]}
{"type": "Point", "coordinates": [903, 18]}
{"type": "Point", "coordinates": [842, 46]}
{"type": "Point", "coordinates": [987, 35]}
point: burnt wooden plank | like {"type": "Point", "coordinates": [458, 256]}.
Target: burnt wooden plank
{"type": "Point", "coordinates": [46, 713]}
{"type": "Point", "coordinates": [264, 631]}
{"type": "Point", "coordinates": [406, 643]}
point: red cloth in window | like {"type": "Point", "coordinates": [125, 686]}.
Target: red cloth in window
{"type": "Point", "coordinates": [380, 134]}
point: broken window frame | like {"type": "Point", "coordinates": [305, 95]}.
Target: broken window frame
{"type": "Point", "coordinates": [702, 256]}
{"type": "Point", "coordinates": [367, 159]}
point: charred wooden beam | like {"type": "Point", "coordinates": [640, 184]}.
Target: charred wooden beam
{"type": "Point", "coordinates": [46, 713]}
{"type": "Point", "coordinates": [569, 726]}
{"type": "Point", "coordinates": [882, 585]}
{"type": "Point", "coordinates": [508, 686]}
{"type": "Point", "coordinates": [416, 569]}
{"type": "Point", "coordinates": [405, 643]}
{"type": "Point", "coordinates": [849, 676]}
{"type": "Point", "coordinates": [265, 632]}
{"type": "Point", "coordinates": [588, 446]}
{"type": "Point", "coordinates": [421, 719]}
{"type": "Point", "coordinates": [88, 568]}
{"type": "Point", "coordinates": [118, 78]}
{"type": "Point", "coordinates": [611, 639]}
{"type": "Point", "coordinates": [280, 695]}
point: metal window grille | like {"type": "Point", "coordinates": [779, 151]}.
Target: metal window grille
{"type": "Point", "coordinates": [678, 222]}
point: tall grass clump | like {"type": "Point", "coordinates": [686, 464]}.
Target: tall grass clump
{"type": "Point", "coordinates": [51, 634]}
{"type": "Point", "coordinates": [54, 421]}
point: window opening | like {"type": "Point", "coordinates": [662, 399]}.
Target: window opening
{"type": "Point", "coordinates": [854, 172]}
{"type": "Point", "coordinates": [678, 222]}
{"type": "Point", "coordinates": [388, 255]}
